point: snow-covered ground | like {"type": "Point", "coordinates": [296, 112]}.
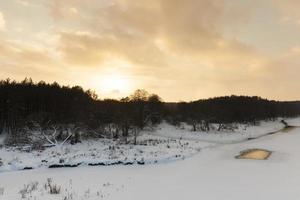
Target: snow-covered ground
{"type": "Point", "coordinates": [150, 150]}
{"type": "Point", "coordinates": [212, 173]}
{"type": "Point", "coordinates": [293, 121]}
{"type": "Point", "coordinates": [166, 143]}
{"type": "Point", "coordinates": [241, 133]}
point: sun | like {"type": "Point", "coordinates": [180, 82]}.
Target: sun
{"type": "Point", "coordinates": [114, 83]}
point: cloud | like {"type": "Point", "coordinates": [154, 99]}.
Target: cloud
{"type": "Point", "coordinates": [73, 10]}
{"type": "Point", "coordinates": [168, 43]}
{"type": "Point", "coordinates": [83, 48]}
{"type": "Point", "coordinates": [195, 48]}
{"type": "Point", "coordinates": [283, 74]}
{"type": "Point", "coordinates": [18, 60]}
{"type": "Point", "coordinates": [289, 10]}
{"type": "Point", "coordinates": [20, 52]}
{"type": "Point", "coordinates": [151, 33]}
{"type": "Point", "coordinates": [2, 22]}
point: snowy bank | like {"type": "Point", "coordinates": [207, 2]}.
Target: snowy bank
{"type": "Point", "coordinates": [213, 174]}
{"type": "Point", "coordinates": [241, 133]}
{"type": "Point", "coordinates": [166, 143]}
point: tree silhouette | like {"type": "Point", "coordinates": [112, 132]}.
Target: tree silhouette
{"type": "Point", "coordinates": [71, 112]}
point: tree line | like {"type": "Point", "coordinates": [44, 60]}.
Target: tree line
{"type": "Point", "coordinates": [53, 113]}
{"type": "Point", "coordinates": [231, 109]}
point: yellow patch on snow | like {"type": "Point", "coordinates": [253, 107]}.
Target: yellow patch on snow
{"type": "Point", "coordinates": [256, 154]}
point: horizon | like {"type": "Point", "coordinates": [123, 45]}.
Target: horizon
{"type": "Point", "coordinates": [102, 98]}
{"type": "Point", "coordinates": [182, 50]}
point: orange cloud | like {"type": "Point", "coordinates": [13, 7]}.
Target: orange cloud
{"type": "Point", "coordinates": [289, 9]}
{"type": "Point", "coordinates": [195, 48]}
{"type": "Point", "coordinates": [2, 22]}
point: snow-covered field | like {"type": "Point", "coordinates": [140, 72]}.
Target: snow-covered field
{"type": "Point", "coordinates": [150, 150]}
{"type": "Point", "coordinates": [209, 170]}
{"type": "Point", "coordinates": [241, 133]}
{"type": "Point", "coordinates": [166, 143]}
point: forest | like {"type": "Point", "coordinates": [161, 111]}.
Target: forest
{"type": "Point", "coordinates": [39, 113]}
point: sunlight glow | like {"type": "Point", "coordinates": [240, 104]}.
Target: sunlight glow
{"type": "Point", "coordinates": [114, 83]}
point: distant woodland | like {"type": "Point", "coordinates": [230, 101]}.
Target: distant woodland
{"type": "Point", "coordinates": [42, 113]}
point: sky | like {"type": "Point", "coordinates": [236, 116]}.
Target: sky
{"type": "Point", "coordinates": [180, 49]}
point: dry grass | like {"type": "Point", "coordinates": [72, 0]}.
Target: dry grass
{"type": "Point", "coordinates": [51, 187]}
{"type": "Point", "coordinates": [1, 191]}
